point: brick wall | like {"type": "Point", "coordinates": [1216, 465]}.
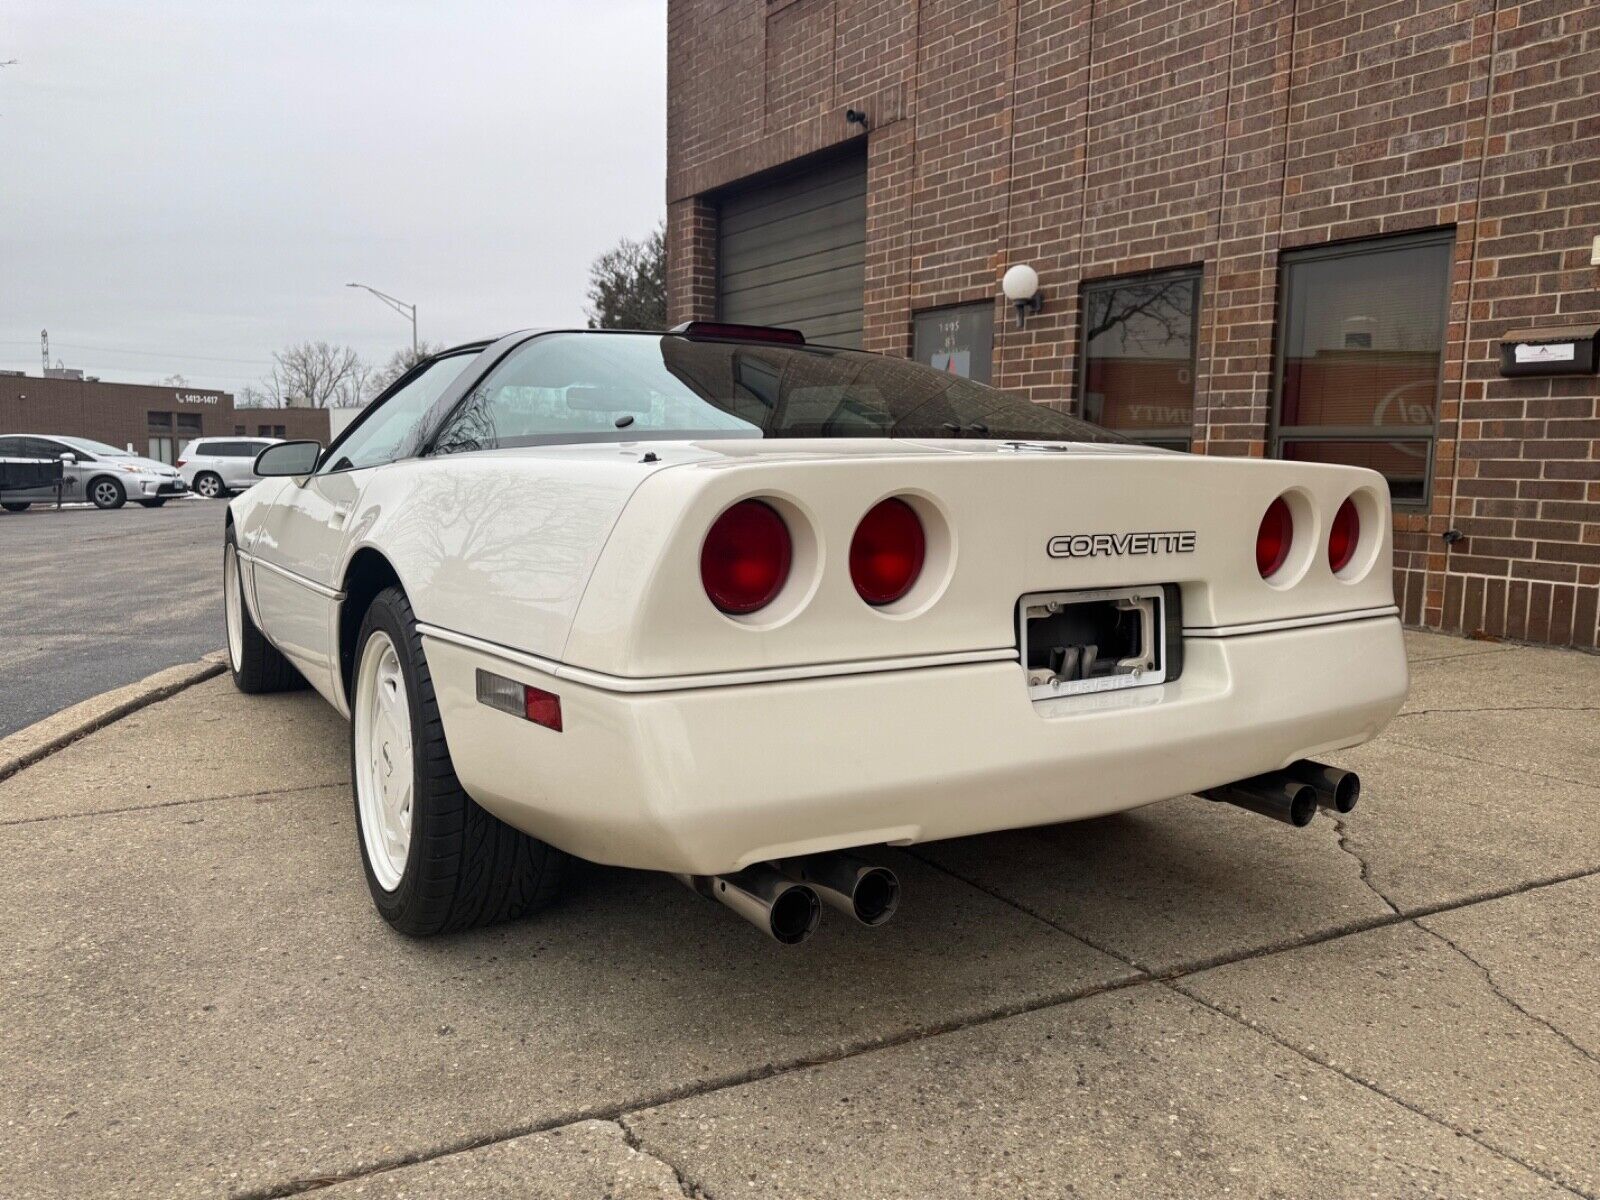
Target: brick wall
{"type": "Point", "coordinates": [118, 413]}
{"type": "Point", "coordinates": [1096, 140]}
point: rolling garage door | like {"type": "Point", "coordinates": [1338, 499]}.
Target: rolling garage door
{"type": "Point", "coordinates": [790, 252]}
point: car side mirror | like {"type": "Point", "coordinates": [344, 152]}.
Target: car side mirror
{"type": "Point", "coordinates": [288, 458]}
{"type": "Point", "coordinates": [68, 457]}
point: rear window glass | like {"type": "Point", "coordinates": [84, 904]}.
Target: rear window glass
{"type": "Point", "coordinates": [576, 387]}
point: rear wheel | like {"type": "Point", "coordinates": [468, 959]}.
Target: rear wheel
{"type": "Point", "coordinates": [209, 485]}
{"type": "Point", "coordinates": [106, 492]}
{"type": "Point", "coordinates": [16, 505]}
{"type": "Point", "coordinates": [257, 666]}
{"type": "Point", "coordinates": [433, 859]}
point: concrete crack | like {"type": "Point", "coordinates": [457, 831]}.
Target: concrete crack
{"type": "Point", "coordinates": [1318, 1060]}
{"type": "Point", "coordinates": [1342, 829]}
{"type": "Point", "coordinates": [1488, 977]}
{"type": "Point", "coordinates": [1509, 708]}
{"type": "Point", "coordinates": [690, 1189]}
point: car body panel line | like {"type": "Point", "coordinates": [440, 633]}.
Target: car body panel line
{"type": "Point", "coordinates": [677, 683]}
{"type": "Point", "coordinates": [1245, 630]}
{"type": "Point", "coordinates": [320, 589]}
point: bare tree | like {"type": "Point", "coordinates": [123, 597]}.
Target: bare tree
{"type": "Point", "coordinates": [628, 285]}
{"type": "Point", "coordinates": [175, 381]}
{"type": "Point", "coordinates": [1162, 310]}
{"type": "Point", "coordinates": [311, 375]}
{"type": "Point", "coordinates": [399, 363]}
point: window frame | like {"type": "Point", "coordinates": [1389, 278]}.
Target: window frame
{"type": "Point", "coordinates": [1278, 433]}
{"type": "Point", "coordinates": [1194, 271]}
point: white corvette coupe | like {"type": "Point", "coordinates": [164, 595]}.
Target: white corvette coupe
{"type": "Point", "coordinates": [722, 604]}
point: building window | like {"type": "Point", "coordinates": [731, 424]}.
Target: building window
{"type": "Point", "coordinates": [1361, 332]}
{"type": "Point", "coordinates": [959, 341]}
{"type": "Point", "coordinates": [158, 428]}
{"type": "Point", "coordinates": [1136, 372]}
{"type": "Point", "coordinates": [276, 431]}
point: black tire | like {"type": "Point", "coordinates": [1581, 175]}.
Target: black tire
{"type": "Point", "coordinates": [16, 505]}
{"type": "Point", "coordinates": [156, 503]}
{"type": "Point", "coordinates": [209, 485]}
{"type": "Point", "coordinates": [256, 664]}
{"type": "Point", "coordinates": [107, 492]}
{"type": "Point", "coordinates": [464, 867]}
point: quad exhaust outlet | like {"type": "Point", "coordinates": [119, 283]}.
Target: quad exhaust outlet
{"type": "Point", "coordinates": [869, 894]}
{"type": "Point", "coordinates": [1293, 794]}
{"type": "Point", "coordinates": [784, 899]}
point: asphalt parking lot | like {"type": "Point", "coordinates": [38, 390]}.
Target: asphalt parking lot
{"type": "Point", "coordinates": [91, 600]}
{"type": "Point", "coordinates": [1184, 1001]}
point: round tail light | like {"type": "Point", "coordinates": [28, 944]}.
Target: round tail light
{"type": "Point", "coordinates": [1344, 535]}
{"type": "Point", "coordinates": [745, 559]}
{"type": "Point", "coordinates": [1273, 538]}
{"type": "Point", "coordinates": [887, 551]}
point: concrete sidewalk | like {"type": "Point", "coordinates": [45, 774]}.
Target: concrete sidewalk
{"type": "Point", "coordinates": [1185, 1001]}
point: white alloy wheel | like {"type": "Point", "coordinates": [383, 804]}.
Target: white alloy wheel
{"type": "Point", "coordinates": [233, 605]}
{"type": "Point", "coordinates": [385, 778]}
{"type": "Point", "coordinates": [105, 493]}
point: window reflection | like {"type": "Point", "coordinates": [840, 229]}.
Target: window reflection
{"type": "Point", "coordinates": [1362, 331]}
{"type": "Point", "coordinates": [1138, 358]}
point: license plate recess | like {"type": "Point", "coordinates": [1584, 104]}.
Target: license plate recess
{"type": "Point", "coordinates": [1103, 640]}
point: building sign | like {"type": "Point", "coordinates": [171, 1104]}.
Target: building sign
{"type": "Point", "coordinates": [196, 398]}
{"type": "Point", "coordinates": [959, 341]}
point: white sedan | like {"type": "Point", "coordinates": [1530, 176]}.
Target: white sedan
{"type": "Point", "coordinates": [726, 605]}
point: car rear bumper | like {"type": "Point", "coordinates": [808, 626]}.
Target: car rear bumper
{"type": "Point", "coordinates": [710, 779]}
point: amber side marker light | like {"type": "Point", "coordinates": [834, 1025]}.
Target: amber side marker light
{"type": "Point", "coordinates": [1274, 538]}
{"type": "Point", "coordinates": [520, 700]}
{"type": "Point", "coordinates": [1344, 535]}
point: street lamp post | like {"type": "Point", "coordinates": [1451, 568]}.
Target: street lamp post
{"type": "Point", "coordinates": [400, 306]}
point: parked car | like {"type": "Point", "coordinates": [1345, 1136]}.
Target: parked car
{"type": "Point", "coordinates": [727, 605]}
{"type": "Point", "coordinates": [216, 467]}
{"type": "Point", "coordinates": [93, 471]}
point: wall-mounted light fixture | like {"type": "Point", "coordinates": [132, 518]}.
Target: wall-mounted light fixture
{"type": "Point", "coordinates": [854, 116]}
{"type": "Point", "coordinates": [1021, 286]}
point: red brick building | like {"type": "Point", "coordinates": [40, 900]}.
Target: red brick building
{"type": "Point", "coordinates": [1267, 227]}
{"type": "Point", "coordinates": [156, 420]}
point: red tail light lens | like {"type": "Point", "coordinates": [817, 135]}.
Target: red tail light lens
{"type": "Point", "coordinates": [1344, 535]}
{"type": "Point", "coordinates": [745, 559]}
{"type": "Point", "coordinates": [1273, 538]}
{"type": "Point", "coordinates": [887, 551]}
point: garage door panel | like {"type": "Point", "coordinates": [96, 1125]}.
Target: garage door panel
{"type": "Point", "coordinates": [807, 233]}
{"type": "Point", "coordinates": [792, 252]}
{"type": "Point", "coordinates": [741, 216]}
{"type": "Point", "coordinates": [834, 285]}
{"type": "Point", "coordinates": [847, 256]}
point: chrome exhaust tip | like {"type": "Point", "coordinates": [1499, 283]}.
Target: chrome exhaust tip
{"type": "Point", "coordinates": [786, 911]}
{"type": "Point", "coordinates": [1273, 795]}
{"type": "Point", "coordinates": [869, 893]}
{"type": "Point", "coordinates": [1337, 789]}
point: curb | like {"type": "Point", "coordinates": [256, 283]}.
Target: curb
{"type": "Point", "coordinates": [44, 738]}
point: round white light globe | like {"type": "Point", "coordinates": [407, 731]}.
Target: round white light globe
{"type": "Point", "coordinates": [1021, 282]}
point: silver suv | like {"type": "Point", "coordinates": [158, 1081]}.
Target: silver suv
{"type": "Point", "coordinates": [216, 466]}
{"type": "Point", "coordinates": [93, 471]}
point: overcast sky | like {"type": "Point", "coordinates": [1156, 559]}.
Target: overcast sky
{"type": "Point", "coordinates": [187, 185]}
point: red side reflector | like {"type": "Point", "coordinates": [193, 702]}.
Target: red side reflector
{"type": "Point", "coordinates": [1273, 538]}
{"type": "Point", "coordinates": [722, 332]}
{"type": "Point", "coordinates": [519, 700]}
{"type": "Point", "coordinates": [1343, 536]}
{"type": "Point", "coordinates": [542, 707]}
